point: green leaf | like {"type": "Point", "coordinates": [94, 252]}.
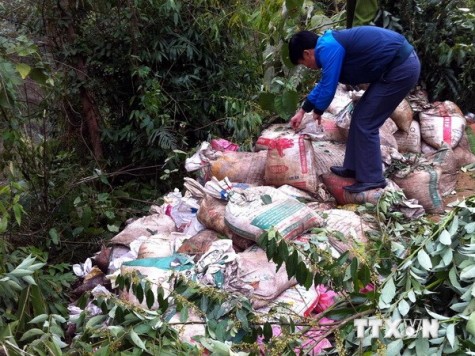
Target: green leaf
{"type": "Point", "coordinates": [339, 313]}
{"type": "Point", "coordinates": [389, 291]}
{"type": "Point", "coordinates": [394, 348]}
{"type": "Point", "coordinates": [136, 339]}
{"type": "Point", "coordinates": [112, 228]}
{"type": "Point", "coordinates": [271, 249]}
{"type": "Point", "coordinates": [39, 319]}
{"type": "Point", "coordinates": [53, 234]}
{"type": "Point", "coordinates": [447, 256]}
{"type": "Point", "coordinates": [290, 100]}
{"type": "Point", "coordinates": [53, 348]}
{"type": "Point", "coordinates": [24, 69]}
{"type": "Point", "coordinates": [204, 303]}
{"type": "Point", "coordinates": [221, 332]}
{"type": "Point", "coordinates": [242, 317]}
{"type": "Point", "coordinates": [37, 300]}
{"type": "Point", "coordinates": [267, 331]}
{"type": "Point", "coordinates": [353, 272]}
{"type": "Point", "coordinates": [142, 329]}
{"type": "Point", "coordinates": [403, 307]}
{"type": "Point", "coordinates": [283, 250]}
{"type": "Point", "coordinates": [437, 316]}
{"type": "Point", "coordinates": [138, 292]}
{"type": "Point", "coordinates": [450, 334]}
{"type": "Point", "coordinates": [113, 311]}
{"type": "Point", "coordinates": [308, 281]}
{"type": "Point", "coordinates": [95, 320]}
{"type": "Point", "coordinates": [454, 278]}
{"type": "Point", "coordinates": [467, 273]}
{"type": "Point", "coordinates": [291, 264]}
{"type": "Point", "coordinates": [284, 56]}
{"type": "Point", "coordinates": [184, 314]}
{"type": "Point", "coordinates": [286, 103]}
{"type": "Point", "coordinates": [293, 5]}
{"type": "Point", "coordinates": [120, 281]}
{"type": "Point", "coordinates": [364, 274]}
{"type": "Point", "coordinates": [266, 101]}
{"type": "Point", "coordinates": [471, 324]}
{"type": "Point", "coordinates": [3, 224]}
{"type": "Point", "coordinates": [445, 238]}
{"type": "Point", "coordinates": [470, 228]}
{"type": "Point", "coordinates": [282, 253]}
{"type": "Point", "coordinates": [422, 347]}
{"type": "Point", "coordinates": [17, 210]}
{"type": "Point", "coordinates": [58, 318]}
{"type": "Point", "coordinates": [424, 259]}
{"type": "Point", "coordinates": [103, 351]}
{"type": "Point", "coordinates": [58, 342]}
{"type": "Point", "coordinates": [31, 333]}
{"type": "Point", "coordinates": [218, 348]}
{"type": "Point", "coordinates": [149, 298]}
{"type": "Point", "coordinates": [19, 272]}
{"type": "Point", "coordinates": [302, 273]}
{"type": "Point", "coordinates": [38, 75]}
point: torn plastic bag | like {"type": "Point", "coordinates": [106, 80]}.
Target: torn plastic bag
{"type": "Point", "coordinates": [212, 264]}
{"type": "Point", "coordinates": [254, 276]}
{"type": "Point", "coordinates": [159, 272]}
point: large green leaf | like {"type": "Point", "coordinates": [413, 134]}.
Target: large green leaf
{"type": "Point", "coordinates": [39, 76]}
{"type": "Point", "coordinates": [266, 101]}
{"type": "Point", "coordinates": [286, 103]}
{"type": "Point", "coordinates": [284, 55]}
{"type": "Point", "coordinates": [293, 5]}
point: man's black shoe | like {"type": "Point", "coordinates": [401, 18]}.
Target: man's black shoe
{"type": "Point", "coordinates": [361, 187]}
{"type": "Point", "coordinates": [343, 172]}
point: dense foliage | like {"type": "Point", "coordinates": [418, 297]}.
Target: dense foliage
{"type": "Point", "coordinates": [416, 269]}
{"type": "Point", "coordinates": [442, 32]}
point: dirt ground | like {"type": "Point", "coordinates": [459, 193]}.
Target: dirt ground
{"type": "Point", "coordinates": [464, 189]}
{"type": "Point", "coordinates": [465, 180]}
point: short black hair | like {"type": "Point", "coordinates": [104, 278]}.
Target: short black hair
{"type": "Point", "coordinates": [299, 42]}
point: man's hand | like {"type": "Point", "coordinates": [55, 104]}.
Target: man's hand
{"type": "Point", "coordinates": [296, 120]}
{"type": "Point", "coordinates": [317, 118]}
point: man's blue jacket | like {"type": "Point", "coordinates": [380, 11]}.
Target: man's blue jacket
{"type": "Point", "coordinates": [354, 56]}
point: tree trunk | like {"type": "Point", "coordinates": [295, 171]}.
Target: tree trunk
{"type": "Point", "coordinates": [89, 114]}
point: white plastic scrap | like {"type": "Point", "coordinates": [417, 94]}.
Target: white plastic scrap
{"type": "Point", "coordinates": [181, 209]}
{"type": "Point", "coordinates": [131, 255]}
{"type": "Point", "coordinates": [201, 158]}
{"type": "Point", "coordinates": [219, 254]}
{"type": "Point", "coordinates": [82, 269]}
{"type": "Point", "coordinates": [75, 312]}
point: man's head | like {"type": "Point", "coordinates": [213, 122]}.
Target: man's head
{"type": "Point", "coordinates": [302, 49]}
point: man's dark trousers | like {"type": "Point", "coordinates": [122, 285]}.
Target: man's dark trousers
{"type": "Point", "coordinates": [363, 152]}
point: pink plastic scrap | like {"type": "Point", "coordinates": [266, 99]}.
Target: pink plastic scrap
{"type": "Point", "coordinates": [220, 144]}
{"type": "Point", "coordinates": [326, 298]}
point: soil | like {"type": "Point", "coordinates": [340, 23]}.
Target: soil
{"type": "Point", "coordinates": [465, 180]}
{"type": "Point", "coordinates": [465, 187]}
